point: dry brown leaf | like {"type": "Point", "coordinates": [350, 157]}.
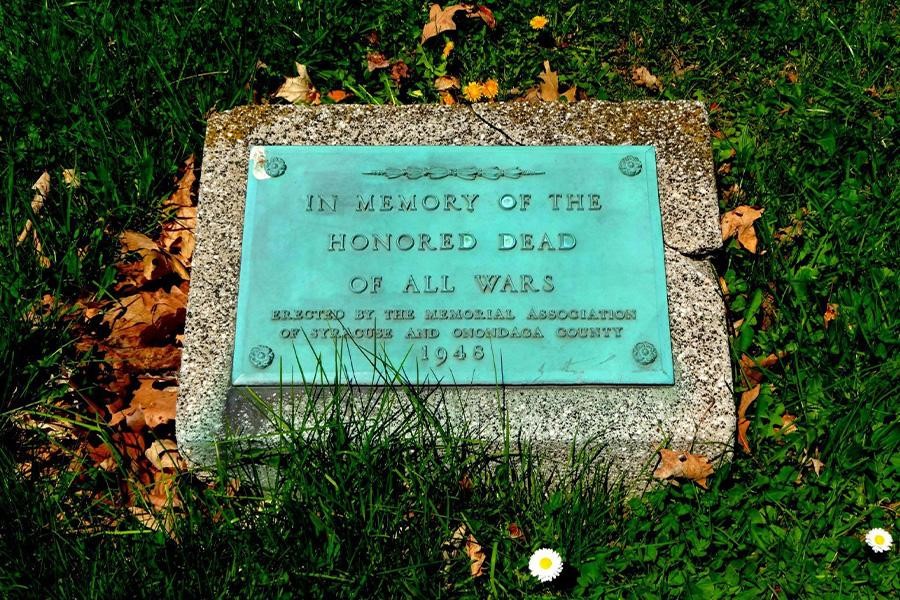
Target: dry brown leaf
{"type": "Point", "coordinates": [132, 241]}
{"type": "Point", "coordinates": [71, 178]}
{"type": "Point", "coordinates": [146, 318]}
{"type": "Point", "coordinates": [768, 312]}
{"type": "Point", "coordinates": [460, 537]}
{"type": "Point", "coordinates": [675, 465]}
{"type": "Point", "coordinates": [831, 313]}
{"type": "Point", "coordinates": [816, 465]}
{"type": "Point", "coordinates": [569, 94]}
{"type": "Point", "coordinates": [440, 20]}
{"type": "Point", "coordinates": [163, 454]}
{"type": "Point", "coordinates": [299, 88]}
{"type": "Point", "coordinates": [376, 60]}
{"type": "Point", "coordinates": [177, 237]}
{"type": "Point", "coordinates": [142, 359]}
{"type": "Point", "coordinates": [549, 86]}
{"type": "Point", "coordinates": [787, 424]}
{"type": "Point", "coordinates": [338, 95]}
{"type": "Point", "coordinates": [476, 556]}
{"type": "Point", "coordinates": [486, 15]}
{"type": "Point", "coordinates": [740, 222]}
{"type": "Point", "coordinates": [163, 520]}
{"type": "Point", "coordinates": [156, 404]}
{"type": "Point", "coordinates": [747, 399]}
{"type": "Point", "coordinates": [163, 495]}
{"type": "Point", "coordinates": [399, 71]}
{"type": "Point", "coordinates": [723, 286]}
{"type": "Point", "coordinates": [751, 368]}
{"type": "Point", "coordinates": [643, 77]}
{"type": "Point", "coordinates": [446, 82]}
{"type": "Point", "coordinates": [41, 189]}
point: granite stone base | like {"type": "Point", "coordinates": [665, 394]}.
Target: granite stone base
{"type": "Point", "coordinates": [629, 422]}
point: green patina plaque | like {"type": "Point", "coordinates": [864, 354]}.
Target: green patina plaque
{"type": "Point", "coordinates": [465, 265]}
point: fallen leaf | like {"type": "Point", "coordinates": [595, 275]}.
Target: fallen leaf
{"type": "Point", "coordinates": [376, 60]}
{"type": "Point", "coordinates": [723, 286]}
{"type": "Point", "coordinates": [515, 532]}
{"type": "Point", "coordinates": [299, 88]}
{"type": "Point", "coordinates": [790, 73]}
{"type": "Point", "coordinates": [768, 312]}
{"type": "Point", "coordinates": [447, 98]}
{"type": "Point", "coordinates": [446, 82]}
{"type": "Point", "coordinates": [679, 68]}
{"type": "Point", "coordinates": [683, 465]}
{"type": "Point", "coordinates": [41, 189]}
{"type": "Point", "coordinates": [163, 454]}
{"type": "Point", "coordinates": [747, 399]}
{"type": "Point", "coordinates": [549, 86]}
{"type": "Point", "coordinates": [132, 241]}
{"type": "Point", "coordinates": [569, 94]}
{"type": "Point", "coordinates": [142, 359]}
{"type": "Point", "coordinates": [338, 95]}
{"type": "Point", "coordinates": [163, 494]}
{"type": "Point", "coordinates": [791, 232]}
{"type": "Point", "coordinates": [642, 77]}
{"type": "Point", "coordinates": [734, 191]}
{"type": "Point", "coordinates": [399, 71]}
{"type": "Point", "coordinates": [440, 20]}
{"type": "Point", "coordinates": [178, 232]}
{"type": "Point", "coordinates": [476, 556]}
{"type": "Point", "coordinates": [831, 313]}
{"type": "Point", "coordinates": [157, 404]}
{"type": "Point", "coordinates": [816, 465]}
{"type": "Point", "coordinates": [750, 368]}
{"type": "Point", "coordinates": [159, 521]}
{"type": "Point", "coordinates": [787, 424]}
{"type": "Point", "coordinates": [740, 222]}
{"type": "Point", "coordinates": [71, 178]}
{"type": "Point", "coordinates": [485, 14]}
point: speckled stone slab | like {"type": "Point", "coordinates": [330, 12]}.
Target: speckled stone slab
{"type": "Point", "coordinates": [629, 422]}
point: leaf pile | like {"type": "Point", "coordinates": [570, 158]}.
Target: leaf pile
{"type": "Point", "coordinates": [133, 340]}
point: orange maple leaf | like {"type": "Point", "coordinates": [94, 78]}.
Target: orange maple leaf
{"type": "Point", "coordinates": [739, 222]}
{"type": "Point", "coordinates": [675, 465]}
{"type": "Point", "coordinates": [440, 20]}
{"type": "Point", "coordinates": [747, 399]}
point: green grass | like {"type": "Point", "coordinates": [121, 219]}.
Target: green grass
{"type": "Point", "coordinates": [119, 91]}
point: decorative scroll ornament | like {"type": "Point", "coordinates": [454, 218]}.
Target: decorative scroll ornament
{"type": "Point", "coordinates": [463, 173]}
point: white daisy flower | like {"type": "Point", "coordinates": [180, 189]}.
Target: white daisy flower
{"type": "Point", "coordinates": [545, 564]}
{"type": "Point", "coordinates": [879, 540]}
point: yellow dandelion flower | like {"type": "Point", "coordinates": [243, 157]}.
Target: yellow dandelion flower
{"type": "Point", "coordinates": [490, 89]}
{"type": "Point", "coordinates": [448, 48]}
{"type": "Point", "coordinates": [473, 91]}
{"type": "Point", "coordinates": [538, 22]}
